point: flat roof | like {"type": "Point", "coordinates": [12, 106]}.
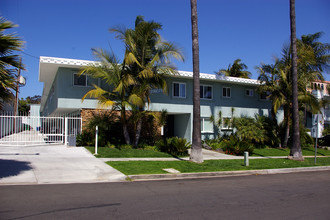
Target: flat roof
{"type": "Point", "coordinates": [48, 67]}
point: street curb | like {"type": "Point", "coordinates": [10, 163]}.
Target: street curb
{"type": "Point", "coordinates": [224, 173]}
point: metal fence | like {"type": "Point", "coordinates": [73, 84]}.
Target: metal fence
{"type": "Point", "coordinates": [37, 130]}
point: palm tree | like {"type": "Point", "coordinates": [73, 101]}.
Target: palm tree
{"type": "Point", "coordinates": [320, 52]}
{"type": "Point", "coordinates": [295, 151]}
{"type": "Point", "coordinates": [119, 79]}
{"type": "Point", "coordinates": [196, 148]}
{"type": "Point", "coordinates": [148, 58]}
{"type": "Point", "coordinates": [237, 69]}
{"type": "Point", "coordinates": [277, 81]}
{"type": "Point", "coordinates": [9, 44]}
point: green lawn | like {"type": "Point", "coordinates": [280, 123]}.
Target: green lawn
{"type": "Point", "coordinates": [285, 152]}
{"type": "Point", "coordinates": [155, 167]}
{"type": "Point", "coordinates": [105, 152]}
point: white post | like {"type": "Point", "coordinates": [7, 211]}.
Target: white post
{"type": "Point", "coordinates": [246, 158]}
{"type": "Point", "coordinates": [317, 134]}
{"type": "Point", "coordinates": [66, 131]}
{"type": "Point", "coordinates": [96, 137]}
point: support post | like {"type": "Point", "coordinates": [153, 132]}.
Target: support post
{"type": "Point", "coordinates": [246, 158]}
{"type": "Point", "coordinates": [66, 131]}
{"type": "Point", "coordinates": [317, 133]}
{"type": "Point", "coordinates": [96, 138]}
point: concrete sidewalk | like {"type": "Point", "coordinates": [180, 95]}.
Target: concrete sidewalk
{"type": "Point", "coordinates": [207, 155]}
{"type": "Point", "coordinates": [48, 164]}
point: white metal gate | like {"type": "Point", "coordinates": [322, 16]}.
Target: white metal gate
{"type": "Point", "coordinates": [37, 130]}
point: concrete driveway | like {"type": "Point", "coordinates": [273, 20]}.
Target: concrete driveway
{"type": "Point", "coordinates": [53, 164]}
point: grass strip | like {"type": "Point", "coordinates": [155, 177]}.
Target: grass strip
{"type": "Point", "coordinates": [286, 151]}
{"type": "Point", "coordinates": [105, 152]}
{"type": "Point", "coordinates": [155, 167]}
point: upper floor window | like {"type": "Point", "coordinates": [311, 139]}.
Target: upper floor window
{"type": "Point", "coordinates": [226, 92]}
{"type": "Point", "coordinates": [179, 90]}
{"type": "Point", "coordinates": [249, 92]}
{"type": "Point", "coordinates": [264, 96]}
{"type": "Point", "coordinates": [205, 92]}
{"type": "Point", "coordinates": [83, 80]}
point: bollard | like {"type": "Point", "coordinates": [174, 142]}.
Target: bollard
{"type": "Point", "coordinates": [96, 137]}
{"type": "Point", "coordinates": [246, 158]}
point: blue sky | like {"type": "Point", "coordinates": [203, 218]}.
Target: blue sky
{"type": "Point", "coordinates": [254, 31]}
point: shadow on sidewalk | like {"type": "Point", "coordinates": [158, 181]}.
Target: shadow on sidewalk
{"type": "Point", "coordinates": [13, 167]}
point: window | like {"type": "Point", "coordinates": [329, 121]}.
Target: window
{"type": "Point", "coordinates": [83, 80]}
{"type": "Point", "coordinates": [249, 92]}
{"type": "Point", "coordinates": [226, 92]}
{"type": "Point", "coordinates": [206, 125]}
{"type": "Point", "coordinates": [264, 96]}
{"type": "Point", "coordinates": [79, 80]}
{"type": "Point", "coordinates": [205, 92]}
{"type": "Point", "coordinates": [226, 123]}
{"type": "Point", "coordinates": [179, 90]}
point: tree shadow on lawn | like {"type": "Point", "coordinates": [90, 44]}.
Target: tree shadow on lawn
{"type": "Point", "coordinates": [13, 167]}
{"type": "Point", "coordinates": [313, 151]}
{"type": "Point", "coordinates": [261, 155]}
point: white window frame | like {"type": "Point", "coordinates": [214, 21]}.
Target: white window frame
{"type": "Point", "coordinates": [226, 92]}
{"type": "Point", "coordinates": [203, 127]}
{"type": "Point", "coordinates": [249, 92]}
{"type": "Point", "coordinates": [204, 86]}
{"type": "Point", "coordinates": [180, 92]}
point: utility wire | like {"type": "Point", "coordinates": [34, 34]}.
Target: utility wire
{"type": "Point", "coordinates": [30, 55]}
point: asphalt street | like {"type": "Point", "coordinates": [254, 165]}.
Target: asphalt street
{"type": "Point", "coordinates": [303, 195]}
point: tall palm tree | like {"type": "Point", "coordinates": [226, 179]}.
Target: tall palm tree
{"type": "Point", "coordinates": [237, 69]}
{"type": "Point", "coordinates": [149, 60]}
{"type": "Point", "coordinates": [196, 148]}
{"type": "Point", "coordinates": [295, 151]}
{"type": "Point", "coordinates": [119, 80]}
{"type": "Point", "coordinates": [9, 44]}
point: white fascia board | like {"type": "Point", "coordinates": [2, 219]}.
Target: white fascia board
{"type": "Point", "coordinates": [215, 77]}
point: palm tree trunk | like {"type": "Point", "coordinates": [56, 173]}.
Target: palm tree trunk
{"type": "Point", "coordinates": [286, 134]}
{"type": "Point", "coordinates": [138, 132]}
{"type": "Point", "coordinates": [124, 124]}
{"type": "Point", "coordinates": [295, 152]}
{"type": "Point", "coordinates": [196, 148]}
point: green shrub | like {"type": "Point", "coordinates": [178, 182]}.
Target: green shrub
{"type": "Point", "coordinates": [237, 147]}
{"type": "Point", "coordinates": [174, 146]}
{"type": "Point", "coordinates": [85, 139]}
{"type": "Point", "coordinates": [124, 146]}
{"type": "Point", "coordinates": [148, 147]}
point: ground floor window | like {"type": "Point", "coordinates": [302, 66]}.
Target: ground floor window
{"type": "Point", "coordinates": [206, 125]}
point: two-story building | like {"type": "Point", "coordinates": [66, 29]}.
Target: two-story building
{"type": "Point", "coordinates": [63, 90]}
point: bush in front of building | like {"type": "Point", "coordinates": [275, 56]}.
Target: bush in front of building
{"type": "Point", "coordinates": [174, 146]}
{"type": "Point", "coordinates": [235, 146]}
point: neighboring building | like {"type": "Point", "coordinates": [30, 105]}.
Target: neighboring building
{"type": "Point", "coordinates": [317, 122]}
{"type": "Point", "coordinates": [63, 90]}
